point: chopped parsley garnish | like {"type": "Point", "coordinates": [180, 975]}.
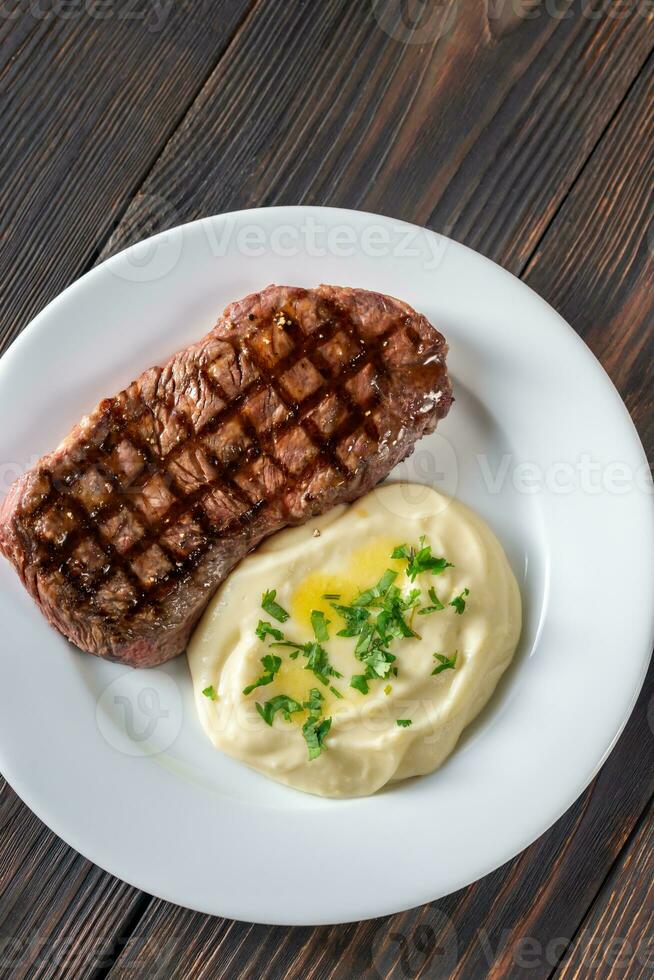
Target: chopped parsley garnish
{"type": "Point", "coordinates": [273, 608]}
{"type": "Point", "coordinates": [444, 663]}
{"type": "Point", "coordinates": [412, 598]}
{"type": "Point", "coordinates": [378, 662]}
{"type": "Point", "coordinates": [382, 587]}
{"type": "Point", "coordinates": [271, 665]}
{"type": "Point", "coordinates": [376, 618]}
{"type": "Point", "coordinates": [314, 704]}
{"type": "Point", "coordinates": [265, 629]}
{"type": "Point", "coordinates": [354, 618]}
{"type": "Point", "coordinates": [315, 729]}
{"type": "Point", "coordinates": [390, 621]}
{"type": "Point", "coordinates": [359, 683]}
{"type": "Point", "coordinates": [283, 703]}
{"type": "Point", "coordinates": [210, 692]}
{"type": "Point", "coordinates": [319, 625]}
{"type": "Point", "coordinates": [421, 560]}
{"type": "Point", "coordinates": [317, 658]}
{"type": "Point", "coordinates": [436, 605]}
{"type": "Point", "coordinates": [318, 662]}
{"type": "Point", "coordinates": [315, 732]}
{"type": "Point", "coordinates": [459, 602]}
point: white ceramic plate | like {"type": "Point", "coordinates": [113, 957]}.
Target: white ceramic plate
{"type": "Point", "coordinates": [114, 760]}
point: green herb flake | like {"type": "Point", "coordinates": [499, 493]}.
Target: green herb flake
{"type": "Point", "coordinates": [378, 662]}
{"type": "Point", "coordinates": [317, 658]}
{"type": "Point", "coordinates": [318, 662]}
{"type": "Point", "coordinates": [283, 703]}
{"type": "Point", "coordinates": [436, 605]}
{"type": "Point", "coordinates": [354, 617]}
{"type": "Point", "coordinates": [377, 591]}
{"type": "Point", "coordinates": [331, 595]}
{"type": "Point", "coordinates": [336, 692]}
{"type": "Point", "coordinates": [315, 732]}
{"type": "Point", "coordinates": [210, 692]}
{"type": "Point", "coordinates": [403, 722]}
{"type": "Point", "coordinates": [359, 683]}
{"type": "Point", "coordinates": [444, 663]}
{"type": "Point", "coordinates": [265, 629]}
{"type": "Point", "coordinates": [387, 690]}
{"type": "Point", "coordinates": [271, 665]}
{"type": "Point", "coordinates": [319, 625]}
{"type": "Point", "coordinates": [459, 602]}
{"type": "Point", "coordinates": [273, 608]}
{"type": "Point", "coordinates": [421, 560]}
{"type": "Point", "coordinates": [412, 598]}
{"type": "Point", "coordinates": [314, 704]}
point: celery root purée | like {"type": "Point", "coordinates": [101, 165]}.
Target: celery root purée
{"type": "Point", "coordinates": [353, 651]}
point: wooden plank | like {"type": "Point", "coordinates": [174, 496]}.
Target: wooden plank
{"type": "Point", "coordinates": [477, 133]}
{"type": "Point", "coordinates": [521, 917]}
{"type": "Point", "coordinates": [616, 936]}
{"type": "Point", "coordinates": [87, 105]}
{"type": "Point", "coordinates": [528, 911]}
{"type": "Point", "coordinates": [596, 264]}
{"type": "Point", "coordinates": [60, 915]}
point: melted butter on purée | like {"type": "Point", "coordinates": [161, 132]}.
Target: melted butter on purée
{"type": "Point", "coordinates": [364, 747]}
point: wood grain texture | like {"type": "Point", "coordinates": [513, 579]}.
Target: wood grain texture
{"type": "Point", "coordinates": [480, 132]}
{"type": "Point", "coordinates": [477, 136]}
{"type": "Point", "coordinates": [60, 914]}
{"type": "Point", "coordinates": [87, 106]}
{"type": "Point", "coordinates": [522, 917]}
{"type": "Point", "coordinates": [597, 260]}
{"type": "Point", "coordinates": [617, 937]}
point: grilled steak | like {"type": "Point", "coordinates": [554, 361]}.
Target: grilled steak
{"type": "Point", "coordinates": [296, 401]}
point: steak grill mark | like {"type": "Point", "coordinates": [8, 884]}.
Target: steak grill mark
{"type": "Point", "coordinates": [187, 504]}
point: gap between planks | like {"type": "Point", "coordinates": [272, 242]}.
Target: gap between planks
{"type": "Point", "coordinates": [644, 816]}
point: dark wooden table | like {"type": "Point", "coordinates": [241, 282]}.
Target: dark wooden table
{"type": "Point", "coordinates": [522, 128]}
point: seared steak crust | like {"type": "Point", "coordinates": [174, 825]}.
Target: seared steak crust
{"type": "Point", "coordinates": [296, 401]}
